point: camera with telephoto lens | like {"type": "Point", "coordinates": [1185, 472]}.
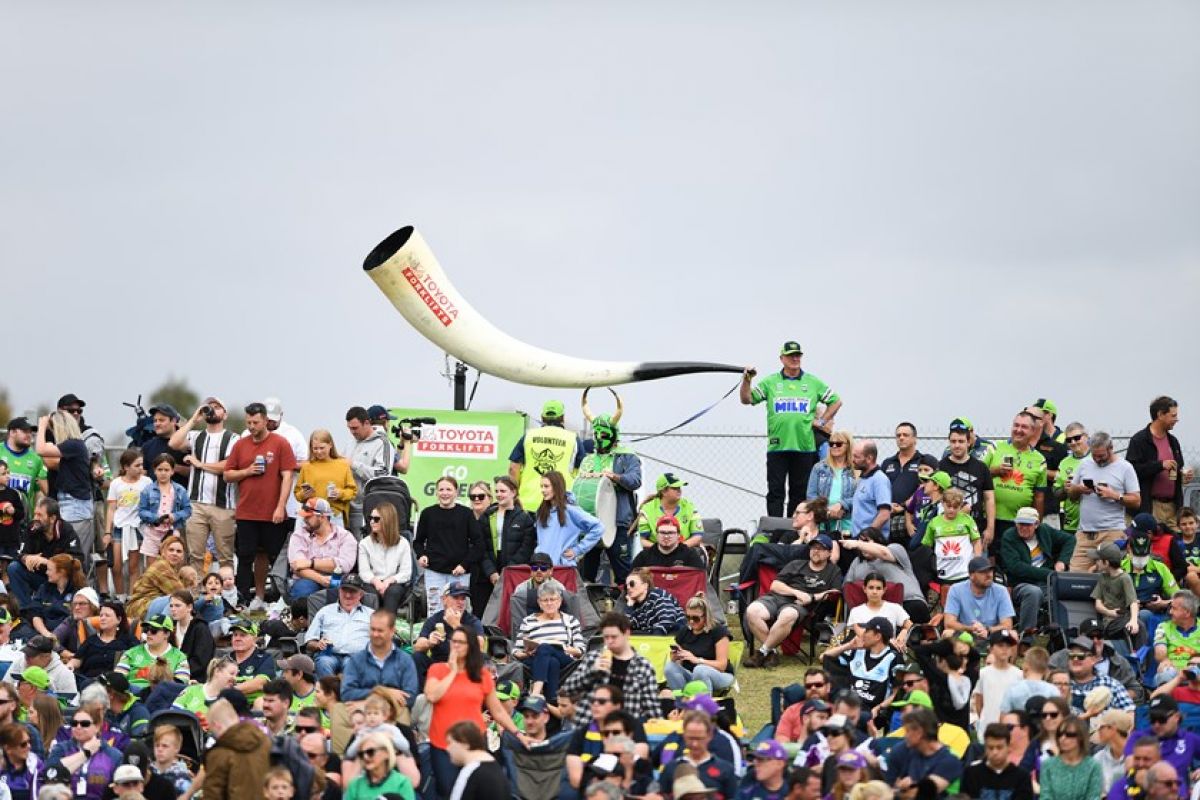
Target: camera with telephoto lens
{"type": "Point", "coordinates": [409, 428]}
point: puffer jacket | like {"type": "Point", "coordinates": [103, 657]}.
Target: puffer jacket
{"type": "Point", "coordinates": [517, 539]}
{"type": "Point", "coordinates": [236, 765]}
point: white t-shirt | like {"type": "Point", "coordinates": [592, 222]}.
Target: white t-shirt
{"type": "Point", "coordinates": [126, 495]}
{"type": "Point", "coordinates": [993, 684]}
{"type": "Point", "coordinates": [893, 613]}
{"type": "Point", "coordinates": [211, 455]}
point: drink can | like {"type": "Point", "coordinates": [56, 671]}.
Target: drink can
{"type": "Point", "coordinates": [330, 489]}
{"type": "Point", "coordinates": [260, 462]}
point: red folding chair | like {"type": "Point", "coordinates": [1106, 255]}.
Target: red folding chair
{"type": "Point", "coordinates": [514, 576]}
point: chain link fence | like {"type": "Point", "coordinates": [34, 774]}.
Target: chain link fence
{"type": "Point", "coordinates": [726, 470]}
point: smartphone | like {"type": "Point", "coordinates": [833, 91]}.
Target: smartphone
{"type": "Point", "coordinates": [1089, 483]}
{"type": "Point", "coordinates": [1008, 461]}
{"type": "Point", "coordinates": [675, 647]}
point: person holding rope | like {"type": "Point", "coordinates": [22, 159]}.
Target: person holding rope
{"type": "Point", "coordinates": [792, 397]}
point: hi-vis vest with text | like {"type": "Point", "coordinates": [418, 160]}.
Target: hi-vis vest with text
{"type": "Point", "coordinates": [547, 449]}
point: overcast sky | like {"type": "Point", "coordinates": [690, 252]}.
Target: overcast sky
{"type": "Point", "coordinates": [955, 207]}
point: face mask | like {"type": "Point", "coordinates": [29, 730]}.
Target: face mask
{"type": "Point", "coordinates": [1140, 561]}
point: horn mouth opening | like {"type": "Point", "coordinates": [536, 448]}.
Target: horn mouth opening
{"type": "Point", "coordinates": [387, 248]}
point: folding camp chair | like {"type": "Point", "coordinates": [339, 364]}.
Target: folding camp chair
{"type": "Point", "coordinates": [1069, 595]}
{"type": "Point", "coordinates": [814, 625]}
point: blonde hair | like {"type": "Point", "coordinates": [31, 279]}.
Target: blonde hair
{"type": "Point", "coordinates": [389, 525]}
{"type": "Point", "coordinates": [846, 455]}
{"type": "Point", "coordinates": [64, 427]}
{"type": "Point", "coordinates": [167, 732]}
{"type": "Point", "coordinates": [697, 602]}
{"type": "Point", "coordinates": [383, 741]}
{"type": "Point", "coordinates": [954, 497]}
{"type": "Point", "coordinates": [872, 790]}
{"type": "Point", "coordinates": [322, 435]}
{"type": "Point", "coordinates": [278, 774]}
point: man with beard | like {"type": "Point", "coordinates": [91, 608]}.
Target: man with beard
{"type": "Point", "coordinates": [26, 472]}
{"type": "Point", "coordinates": [1106, 489]}
{"type": "Point", "coordinates": [166, 422]}
{"type": "Point", "coordinates": [213, 498]}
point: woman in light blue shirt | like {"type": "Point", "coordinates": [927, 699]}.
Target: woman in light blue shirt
{"type": "Point", "coordinates": [565, 531]}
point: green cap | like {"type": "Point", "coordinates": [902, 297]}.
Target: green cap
{"type": "Point", "coordinates": [791, 348]}
{"type": "Point", "coordinates": [553, 409]}
{"type": "Point", "coordinates": [961, 424]}
{"type": "Point", "coordinates": [914, 698]}
{"type": "Point", "coordinates": [508, 690]}
{"type": "Point", "coordinates": [1046, 405]}
{"type": "Point", "coordinates": [669, 479]}
{"type": "Point", "coordinates": [966, 637]}
{"type": "Point", "coordinates": [244, 625]}
{"type": "Point", "coordinates": [693, 688]}
{"type": "Point", "coordinates": [941, 479]}
{"type": "Point", "coordinates": [35, 676]}
{"type": "Point", "coordinates": [160, 621]}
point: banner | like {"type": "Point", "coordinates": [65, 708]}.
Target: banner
{"type": "Point", "coordinates": [469, 446]}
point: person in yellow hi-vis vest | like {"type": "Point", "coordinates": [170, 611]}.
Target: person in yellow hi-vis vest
{"type": "Point", "coordinates": [550, 448]}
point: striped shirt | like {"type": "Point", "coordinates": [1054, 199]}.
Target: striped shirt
{"type": "Point", "coordinates": [563, 631]}
{"type": "Point", "coordinates": [658, 615]}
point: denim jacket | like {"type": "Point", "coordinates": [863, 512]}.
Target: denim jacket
{"type": "Point", "coordinates": [152, 496]}
{"type": "Point", "coordinates": [820, 482]}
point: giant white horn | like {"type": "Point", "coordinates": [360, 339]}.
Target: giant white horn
{"type": "Point", "coordinates": [406, 271]}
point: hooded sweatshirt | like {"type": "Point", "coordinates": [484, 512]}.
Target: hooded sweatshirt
{"type": "Point", "coordinates": [581, 533]}
{"type": "Point", "coordinates": [235, 767]}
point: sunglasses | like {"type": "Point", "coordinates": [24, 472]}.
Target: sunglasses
{"type": "Point", "coordinates": [1079, 656]}
{"type": "Point", "coordinates": [1159, 720]}
{"type": "Point", "coordinates": [375, 518]}
{"type": "Point", "coordinates": [81, 723]}
{"type": "Point", "coordinates": [911, 682]}
{"type": "Point", "coordinates": [1050, 715]}
{"type": "Point", "coordinates": [601, 700]}
{"type": "Point", "coordinates": [695, 618]}
{"type": "Point", "coordinates": [1068, 735]}
{"type": "Point", "coordinates": [1075, 438]}
{"type": "Point", "coordinates": [306, 729]}
{"type": "Point", "coordinates": [367, 752]}
{"type": "Point", "coordinates": [816, 685]}
{"type": "Point", "coordinates": [75, 411]}
{"type": "Point", "coordinates": [631, 585]}
{"type": "Point", "coordinates": [477, 496]}
{"type": "Point", "coordinates": [837, 444]}
{"type": "Point", "coordinates": [540, 567]}
{"type": "Point", "coordinates": [614, 732]}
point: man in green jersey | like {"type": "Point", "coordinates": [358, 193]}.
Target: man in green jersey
{"type": "Point", "coordinates": [300, 672]}
{"type": "Point", "coordinates": [1018, 474]}
{"type": "Point", "coordinates": [1076, 438]}
{"type": "Point", "coordinates": [792, 397]}
{"type": "Point", "coordinates": [27, 473]}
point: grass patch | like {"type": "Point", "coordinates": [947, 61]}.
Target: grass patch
{"type": "Point", "coordinates": [754, 701]}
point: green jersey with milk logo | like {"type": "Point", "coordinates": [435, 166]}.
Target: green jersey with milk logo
{"type": "Point", "coordinates": [24, 471]}
{"type": "Point", "coordinates": [791, 407]}
{"type": "Point", "coordinates": [1028, 477]}
{"type": "Point", "coordinates": [1068, 507]}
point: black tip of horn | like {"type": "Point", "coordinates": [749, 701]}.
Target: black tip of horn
{"type": "Point", "coordinates": [654, 370]}
{"type": "Point", "coordinates": [387, 248]}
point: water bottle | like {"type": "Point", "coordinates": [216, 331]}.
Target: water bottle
{"type": "Point", "coordinates": [336, 580]}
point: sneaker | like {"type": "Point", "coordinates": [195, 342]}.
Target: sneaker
{"type": "Point", "coordinates": [256, 604]}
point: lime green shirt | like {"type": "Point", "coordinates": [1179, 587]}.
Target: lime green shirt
{"type": "Point", "coordinates": [24, 472]}
{"type": "Point", "coordinates": [791, 408]}
{"type": "Point", "coordinates": [1068, 507]}
{"type": "Point", "coordinates": [192, 699]}
{"type": "Point", "coordinates": [689, 521]}
{"type": "Point", "coordinates": [1018, 489]}
{"type": "Point", "coordinates": [137, 661]}
{"type": "Point", "coordinates": [952, 542]}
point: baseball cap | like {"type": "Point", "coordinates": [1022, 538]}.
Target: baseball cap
{"type": "Point", "coordinates": [300, 663]}
{"type": "Point", "coordinates": [1003, 636]}
{"type": "Point", "coordinates": [852, 759]}
{"type": "Point", "coordinates": [353, 582]}
{"type": "Point", "coordinates": [245, 626]}
{"type": "Point", "coordinates": [790, 348]}
{"type": "Point", "coordinates": [1121, 720]}
{"type": "Point", "coordinates": [34, 676]}
{"type": "Point", "coordinates": [916, 697]}
{"type": "Point", "coordinates": [1027, 516]}
{"type": "Point", "coordinates": [965, 636]}
{"type": "Point", "coordinates": [533, 704]}
{"type": "Point", "coordinates": [815, 704]}
{"type": "Point", "coordinates": [1046, 405]}
{"type": "Point", "coordinates": [701, 702]}
{"type": "Point", "coordinates": [822, 540]}
{"type": "Point", "coordinates": [166, 409]}
{"type": "Point", "coordinates": [19, 424]}
{"type": "Point", "coordinates": [54, 774]}
{"type": "Point", "coordinates": [940, 478]}
{"type": "Point", "coordinates": [552, 409]}
{"type": "Point", "coordinates": [1144, 523]}
{"type": "Point", "coordinates": [128, 773]}
{"type": "Point", "coordinates": [961, 424]}
{"type": "Point", "coordinates": [161, 622]}
{"type": "Point", "coordinates": [542, 559]}
{"type": "Point", "coordinates": [1082, 643]}
{"type": "Point", "coordinates": [669, 479]}
{"type": "Point", "coordinates": [274, 409]}
{"type": "Point", "coordinates": [880, 625]}
{"type": "Point", "coordinates": [769, 748]}
{"type": "Point", "coordinates": [115, 681]}
{"type": "Point", "coordinates": [455, 590]}
{"type": "Point", "coordinates": [837, 722]}
{"type": "Point", "coordinates": [980, 564]}
{"type": "Point", "coordinates": [1110, 552]}
{"type": "Point", "coordinates": [314, 506]}
{"type": "Point", "coordinates": [39, 645]}
{"type": "Point", "coordinates": [667, 519]}
{"type": "Point", "coordinates": [691, 689]}
{"type": "Point", "coordinates": [379, 412]}
{"type": "Point", "coordinates": [508, 690]}
{"type": "Point", "coordinates": [213, 400]}
{"type": "Point", "coordinates": [70, 399]}
{"type": "Point", "coordinates": [1161, 707]}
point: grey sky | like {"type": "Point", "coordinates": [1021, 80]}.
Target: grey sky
{"type": "Point", "coordinates": [955, 207]}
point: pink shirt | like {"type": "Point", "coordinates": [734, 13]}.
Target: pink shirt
{"type": "Point", "coordinates": [340, 546]}
{"type": "Point", "coordinates": [1164, 486]}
